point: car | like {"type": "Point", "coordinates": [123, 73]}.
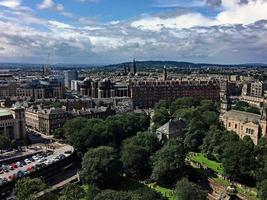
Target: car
{"type": "Point", "coordinates": [10, 167]}
{"type": "Point", "coordinates": [19, 164]}
{"type": "Point", "coordinates": [20, 174]}
{"type": "Point", "coordinates": [30, 158]}
{"type": "Point", "coordinates": [68, 152]}
{"type": "Point", "coordinates": [30, 168]}
{"type": "Point", "coordinates": [14, 165]}
{"type": "Point", "coordinates": [35, 158]}
{"type": "Point", "coordinates": [27, 161]}
{"type": "Point", "coordinates": [23, 162]}
{"type": "Point", "coordinates": [62, 156]}
{"type": "Point", "coordinates": [12, 177]}
{"type": "Point", "coordinates": [42, 160]}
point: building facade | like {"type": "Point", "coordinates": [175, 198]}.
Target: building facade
{"type": "Point", "coordinates": [245, 124]}
{"type": "Point", "coordinates": [12, 123]}
{"type": "Point", "coordinates": [145, 94]}
{"type": "Point", "coordinates": [103, 89]}
{"type": "Point", "coordinates": [41, 89]}
{"type": "Point", "coordinates": [70, 75]}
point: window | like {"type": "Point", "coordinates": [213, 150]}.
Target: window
{"type": "Point", "coordinates": [235, 126]}
{"type": "Point", "coordinates": [229, 124]}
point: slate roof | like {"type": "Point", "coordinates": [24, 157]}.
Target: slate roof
{"type": "Point", "coordinates": [242, 116]}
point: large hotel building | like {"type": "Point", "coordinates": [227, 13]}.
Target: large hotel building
{"type": "Point", "coordinates": [145, 94]}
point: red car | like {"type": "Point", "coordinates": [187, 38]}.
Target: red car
{"type": "Point", "coordinates": [12, 177]}
{"type": "Point", "coordinates": [30, 168]}
{"type": "Point", "coordinates": [14, 165]}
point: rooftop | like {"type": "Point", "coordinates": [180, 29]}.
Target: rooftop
{"type": "Point", "coordinates": [5, 112]}
{"type": "Point", "coordinates": [242, 116]}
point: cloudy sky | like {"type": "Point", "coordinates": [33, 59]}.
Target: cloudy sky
{"type": "Point", "coordinates": [112, 31]}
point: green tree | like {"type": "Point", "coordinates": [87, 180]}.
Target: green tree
{"type": "Point", "coordinates": [182, 103]}
{"type": "Point", "coordinates": [28, 188]}
{"type": "Point", "coordinates": [92, 191]}
{"type": "Point", "coordinates": [136, 153]}
{"type": "Point", "coordinates": [262, 190]}
{"type": "Point", "coordinates": [161, 116]}
{"type": "Point", "coordinates": [59, 133]}
{"type": "Point", "coordinates": [146, 193]}
{"type": "Point", "coordinates": [5, 143]}
{"type": "Point", "coordinates": [72, 191]}
{"type": "Point", "coordinates": [113, 195]}
{"type": "Point", "coordinates": [239, 160]}
{"type": "Point", "coordinates": [169, 162]}
{"type": "Point", "coordinates": [186, 190]}
{"type": "Point", "coordinates": [101, 166]}
{"type": "Point", "coordinates": [135, 159]}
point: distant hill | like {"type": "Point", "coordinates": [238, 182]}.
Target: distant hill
{"type": "Point", "coordinates": [176, 64]}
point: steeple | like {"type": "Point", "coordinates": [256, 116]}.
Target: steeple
{"type": "Point", "coordinates": [165, 75]}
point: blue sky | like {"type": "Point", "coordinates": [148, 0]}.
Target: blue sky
{"type": "Point", "coordinates": [112, 31]}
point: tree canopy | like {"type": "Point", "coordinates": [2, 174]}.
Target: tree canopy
{"type": "Point", "coordinates": [186, 190]}
{"type": "Point", "coordinates": [28, 188]}
{"type": "Point", "coordinates": [101, 166]}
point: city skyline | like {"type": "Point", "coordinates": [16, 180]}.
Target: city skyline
{"type": "Point", "coordinates": [104, 31]}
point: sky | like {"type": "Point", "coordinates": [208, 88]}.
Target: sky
{"type": "Point", "coordinates": [114, 31]}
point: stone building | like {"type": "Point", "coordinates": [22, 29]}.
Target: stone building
{"type": "Point", "coordinates": [245, 124]}
{"type": "Point", "coordinates": [12, 123]}
{"type": "Point", "coordinates": [172, 129]}
{"type": "Point", "coordinates": [103, 89]}
{"type": "Point", "coordinates": [145, 94]}
{"type": "Point", "coordinates": [48, 120]}
{"type": "Point", "coordinates": [41, 89]}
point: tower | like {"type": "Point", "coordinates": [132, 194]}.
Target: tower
{"type": "Point", "coordinates": [165, 75]}
{"type": "Point", "coordinates": [134, 67]}
{"type": "Point", "coordinates": [224, 96]}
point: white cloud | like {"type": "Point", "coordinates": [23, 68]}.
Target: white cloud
{"type": "Point", "coordinates": [50, 4]}
{"type": "Point", "coordinates": [233, 12]}
{"type": "Point", "coordinates": [12, 4]}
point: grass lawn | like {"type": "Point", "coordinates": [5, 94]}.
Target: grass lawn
{"type": "Point", "coordinates": [203, 160]}
{"type": "Point", "coordinates": [164, 191]}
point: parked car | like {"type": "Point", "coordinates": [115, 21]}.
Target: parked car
{"type": "Point", "coordinates": [12, 177]}
{"type": "Point", "coordinates": [19, 164]}
{"type": "Point", "coordinates": [23, 162]}
{"type": "Point", "coordinates": [35, 158]}
{"type": "Point", "coordinates": [14, 165]}
{"type": "Point", "coordinates": [30, 168]}
{"type": "Point", "coordinates": [27, 161]}
{"type": "Point", "coordinates": [62, 156]}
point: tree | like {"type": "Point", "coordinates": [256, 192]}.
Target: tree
{"type": "Point", "coordinates": [147, 193]}
{"type": "Point", "coordinates": [239, 160]}
{"type": "Point", "coordinates": [135, 159]}
{"type": "Point", "coordinates": [57, 104]}
{"type": "Point", "coordinates": [168, 162]}
{"type": "Point", "coordinates": [212, 143]}
{"type": "Point", "coordinates": [113, 195]}
{"type": "Point", "coordinates": [72, 191]}
{"type": "Point", "coordinates": [5, 143]}
{"type": "Point", "coordinates": [136, 153]}
{"type": "Point", "coordinates": [262, 190]}
{"type": "Point", "coordinates": [59, 133]}
{"type": "Point", "coordinates": [92, 191]}
{"type": "Point", "coordinates": [28, 188]}
{"type": "Point", "coordinates": [161, 116]}
{"type": "Point", "coordinates": [207, 105]}
{"type": "Point", "coordinates": [186, 190]}
{"type": "Point", "coordinates": [101, 166]}
{"type": "Point", "coordinates": [181, 103]}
